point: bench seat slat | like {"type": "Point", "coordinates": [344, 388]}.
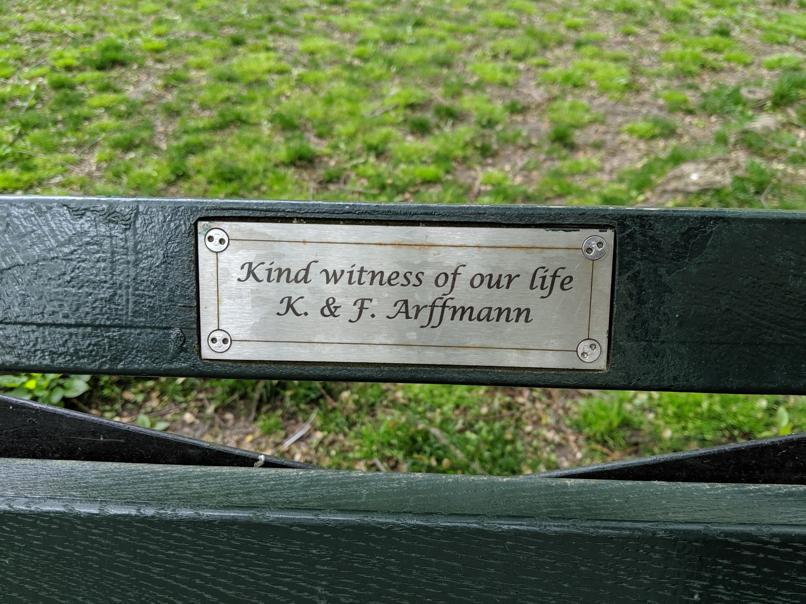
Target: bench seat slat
{"type": "Point", "coordinates": [74, 530]}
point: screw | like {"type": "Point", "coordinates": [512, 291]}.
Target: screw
{"type": "Point", "coordinates": [589, 351]}
{"type": "Point", "coordinates": [216, 240]}
{"type": "Point", "coordinates": [594, 247]}
{"type": "Point", "coordinates": [219, 340]}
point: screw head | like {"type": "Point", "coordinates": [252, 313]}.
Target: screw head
{"type": "Point", "coordinates": [589, 350]}
{"type": "Point", "coordinates": [216, 240]}
{"type": "Point", "coordinates": [594, 247]}
{"type": "Point", "coordinates": [219, 340]}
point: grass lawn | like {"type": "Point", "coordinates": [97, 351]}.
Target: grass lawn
{"type": "Point", "coordinates": [616, 102]}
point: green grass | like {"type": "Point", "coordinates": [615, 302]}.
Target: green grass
{"type": "Point", "coordinates": [361, 100]}
{"type": "Point", "coordinates": [676, 100]}
{"type": "Point", "coordinates": [789, 88]}
{"type": "Point", "coordinates": [459, 102]}
{"type": "Point", "coordinates": [652, 423]}
{"type": "Point", "coordinates": [653, 127]}
{"type": "Point", "coordinates": [431, 428]}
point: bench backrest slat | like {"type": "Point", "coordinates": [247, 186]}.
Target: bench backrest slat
{"type": "Point", "coordinates": [709, 300]}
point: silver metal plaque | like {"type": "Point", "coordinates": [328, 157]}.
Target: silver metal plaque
{"type": "Point", "coordinates": [326, 293]}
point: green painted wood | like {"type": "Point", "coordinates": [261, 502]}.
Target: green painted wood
{"type": "Point", "coordinates": [778, 460]}
{"type": "Point", "coordinates": [210, 487]}
{"type": "Point", "coordinates": [92, 531]}
{"type": "Point", "coordinates": [39, 431]}
{"type": "Point", "coordinates": [702, 300]}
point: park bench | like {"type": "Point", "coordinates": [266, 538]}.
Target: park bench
{"type": "Point", "coordinates": [688, 300]}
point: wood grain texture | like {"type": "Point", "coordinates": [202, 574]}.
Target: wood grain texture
{"type": "Point", "coordinates": [702, 300]}
{"type": "Point", "coordinates": [84, 531]}
{"type": "Point", "coordinates": [391, 493]}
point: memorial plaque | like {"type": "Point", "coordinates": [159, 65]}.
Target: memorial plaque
{"type": "Point", "coordinates": [429, 295]}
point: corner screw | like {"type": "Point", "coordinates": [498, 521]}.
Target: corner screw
{"type": "Point", "coordinates": [216, 240]}
{"type": "Point", "coordinates": [589, 351]}
{"type": "Point", "coordinates": [219, 340]}
{"type": "Point", "coordinates": [594, 247]}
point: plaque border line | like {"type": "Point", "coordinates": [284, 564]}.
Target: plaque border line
{"type": "Point", "coordinates": [590, 296]}
{"type": "Point", "coordinates": [384, 244]}
{"type": "Point", "coordinates": [218, 297]}
{"type": "Point", "coordinates": [407, 345]}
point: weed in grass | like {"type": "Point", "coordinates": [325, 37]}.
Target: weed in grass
{"type": "Point", "coordinates": [132, 136]}
{"type": "Point", "coordinates": [686, 62]}
{"type": "Point", "coordinates": [789, 88]}
{"type": "Point", "coordinates": [423, 173]}
{"type": "Point", "coordinates": [270, 423]}
{"type": "Point", "coordinates": [579, 165]}
{"type": "Point", "coordinates": [783, 61]}
{"type": "Point", "coordinates": [107, 101]}
{"type": "Point", "coordinates": [723, 100]}
{"type": "Point", "coordinates": [608, 76]}
{"type": "Point", "coordinates": [319, 45]}
{"type": "Point", "coordinates": [563, 135]}
{"type": "Point", "coordinates": [610, 422]}
{"type": "Point", "coordinates": [446, 113]}
{"type": "Point", "coordinates": [518, 48]}
{"type": "Point", "coordinates": [500, 19]}
{"type": "Point", "coordinates": [572, 112]}
{"type": "Point", "coordinates": [783, 28]}
{"type": "Point", "coordinates": [377, 141]}
{"type": "Point", "coordinates": [487, 114]}
{"type": "Point", "coordinates": [298, 152]}
{"type": "Point", "coordinates": [739, 57]}
{"type": "Point", "coordinates": [653, 127]}
{"type": "Point", "coordinates": [420, 124]}
{"type": "Point", "coordinates": [256, 67]}
{"type": "Point", "coordinates": [153, 45]}
{"type": "Point", "coordinates": [575, 23]}
{"type": "Point", "coordinates": [66, 59]}
{"type": "Point", "coordinates": [554, 185]}
{"type": "Point", "coordinates": [407, 98]}
{"type": "Point", "coordinates": [499, 188]}
{"type": "Point", "coordinates": [286, 119]}
{"type": "Point", "coordinates": [61, 81]}
{"type": "Point", "coordinates": [676, 100]}
{"type": "Point", "coordinates": [108, 53]}
{"type": "Point", "coordinates": [494, 178]}
{"type": "Point", "coordinates": [567, 116]}
{"type": "Point", "coordinates": [501, 74]}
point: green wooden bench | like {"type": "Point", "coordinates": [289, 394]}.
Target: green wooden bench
{"type": "Point", "coordinates": [91, 510]}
